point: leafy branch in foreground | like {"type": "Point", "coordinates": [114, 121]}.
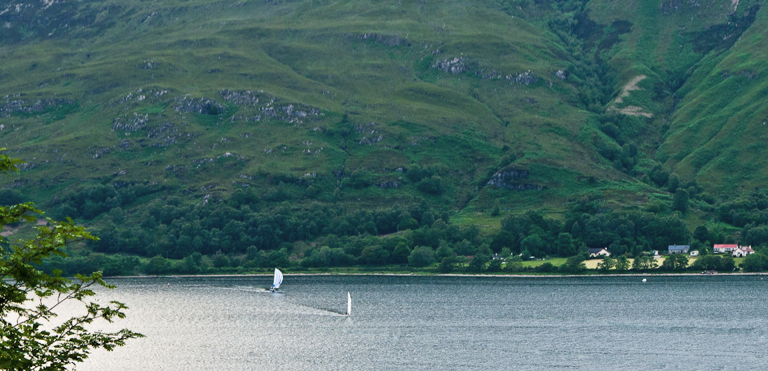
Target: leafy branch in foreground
{"type": "Point", "coordinates": [31, 338]}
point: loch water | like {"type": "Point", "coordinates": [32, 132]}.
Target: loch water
{"type": "Point", "coordinates": [441, 323]}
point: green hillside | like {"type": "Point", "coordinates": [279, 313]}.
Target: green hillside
{"type": "Point", "coordinates": [458, 106]}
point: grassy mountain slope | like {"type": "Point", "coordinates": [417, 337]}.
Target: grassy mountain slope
{"type": "Point", "coordinates": [337, 101]}
{"type": "Point", "coordinates": [718, 130]}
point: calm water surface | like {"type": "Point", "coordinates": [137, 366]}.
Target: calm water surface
{"type": "Point", "coordinates": [442, 323]}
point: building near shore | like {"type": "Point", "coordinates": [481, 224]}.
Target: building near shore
{"type": "Point", "coordinates": [678, 249]}
{"type": "Point", "coordinates": [727, 248]}
{"type": "Point", "coordinates": [598, 253]}
{"type": "Point", "coordinates": [742, 251]}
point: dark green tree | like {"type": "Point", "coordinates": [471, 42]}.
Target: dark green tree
{"type": "Point", "coordinates": [444, 251]}
{"type": "Point", "coordinates": [708, 262]}
{"type": "Point", "coordinates": [644, 262]}
{"type": "Point", "coordinates": [375, 255]}
{"type": "Point", "coordinates": [680, 201]}
{"type": "Point", "coordinates": [622, 263]}
{"type": "Point", "coordinates": [421, 256]}
{"type": "Point", "coordinates": [607, 264]}
{"type": "Point", "coordinates": [701, 233]}
{"type": "Point", "coordinates": [574, 264]}
{"type": "Point", "coordinates": [673, 182]}
{"type": "Point", "coordinates": [157, 265]}
{"type": "Point", "coordinates": [546, 268]}
{"type": "Point", "coordinates": [755, 263]}
{"type": "Point", "coordinates": [535, 245]}
{"type": "Point", "coordinates": [514, 264]}
{"type": "Point", "coordinates": [432, 185]}
{"type": "Point", "coordinates": [495, 211]}
{"type": "Point", "coordinates": [465, 248]}
{"type": "Point", "coordinates": [401, 253]}
{"type": "Point", "coordinates": [728, 264]}
{"type": "Point", "coordinates": [494, 265]}
{"type": "Point", "coordinates": [220, 260]}
{"type": "Point", "coordinates": [478, 262]}
{"type": "Point", "coordinates": [565, 245]}
{"type": "Point", "coordinates": [279, 258]}
{"type": "Point", "coordinates": [446, 265]}
{"type": "Point", "coordinates": [675, 262]}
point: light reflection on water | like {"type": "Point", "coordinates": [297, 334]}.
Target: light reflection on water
{"type": "Point", "coordinates": [441, 323]}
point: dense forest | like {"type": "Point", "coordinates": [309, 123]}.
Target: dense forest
{"type": "Point", "coordinates": [247, 234]}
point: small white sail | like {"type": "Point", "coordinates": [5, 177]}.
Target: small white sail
{"type": "Point", "coordinates": [349, 304]}
{"type": "Point", "coordinates": [278, 279]}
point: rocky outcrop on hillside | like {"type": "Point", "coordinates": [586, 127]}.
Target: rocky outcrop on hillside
{"type": "Point", "coordinates": [667, 7]}
{"type": "Point", "coordinates": [16, 104]}
{"type": "Point", "coordinates": [142, 96]}
{"type": "Point", "coordinates": [130, 123]}
{"type": "Point", "coordinates": [381, 39]}
{"type": "Point", "coordinates": [203, 106]}
{"type": "Point", "coordinates": [370, 141]}
{"type": "Point", "coordinates": [268, 107]}
{"type": "Point", "coordinates": [22, 20]}
{"type": "Point", "coordinates": [454, 65]}
{"type": "Point", "coordinates": [459, 65]}
{"type": "Point", "coordinates": [509, 178]}
{"type": "Point", "coordinates": [295, 114]}
{"type": "Point", "coordinates": [526, 78]}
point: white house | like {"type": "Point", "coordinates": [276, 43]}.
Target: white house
{"type": "Point", "coordinates": [742, 251]}
{"type": "Point", "coordinates": [597, 253]}
{"type": "Point", "coordinates": [724, 248]}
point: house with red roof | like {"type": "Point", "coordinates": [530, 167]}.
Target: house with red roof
{"type": "Point", "coordinates": [735, 250]}
{"type": "Point", "coordinates": [742, 251]}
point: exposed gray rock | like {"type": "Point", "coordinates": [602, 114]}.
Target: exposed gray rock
{"type": "Point", "coordinates": [202, 161]}
{"type": "Point", "coordinates": [269, 107]}
{"type": "Point", "coordinates": [454, 65]}
{"type": "Point", "coordinates": [509, 179]}
{"type": "Point", "coordinates": [167, 134]}
{"type": "Point", "coordinates": [15, 104]}
{"type": "Point", "coordinates": [382, 39]}
{"type": "Point", "coordinates": [370, 141]}
{"type": "Point", "coordinates": [667, 7]}
{"type": "Point", "coordinates": [130, 123]}
{"type": "Point", "coordinates": [366, 128]}
{"type": "Point", "coordinates": [203, 106]}
{"type": "Point", "coordinates": [526, 78]}
{"type": "Point", "coordinates": [148, 64]}
{"type": "Point", "coordinates": [149, 95]}
{"type": "Point", "coordinates": [489, 75]}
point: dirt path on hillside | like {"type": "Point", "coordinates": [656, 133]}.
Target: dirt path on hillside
{"type": "Point", "coordinates": [625, 91]}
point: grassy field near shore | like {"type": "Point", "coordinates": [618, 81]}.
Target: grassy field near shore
{"type": "Point", "coordinates": [459, 268]}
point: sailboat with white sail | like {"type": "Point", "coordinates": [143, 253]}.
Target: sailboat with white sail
{"type": "Point", "coordinates": [349, 304]}
{"type": "Point", "coordinates": [277, 281]}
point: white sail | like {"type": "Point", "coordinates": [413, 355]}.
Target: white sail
{"type": "Point", "coordinates": [278, 279]}
{"type": "Point", "coordinates": [349, 304]}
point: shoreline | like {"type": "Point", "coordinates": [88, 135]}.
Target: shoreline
{"type": "Point", "coordinates": [453, 275]}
